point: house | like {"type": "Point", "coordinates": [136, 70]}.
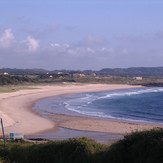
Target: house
{"type": "Point", "coordinates": [81, 75]}
{"type": "Point", "coordinates": [5, 73]}
{"type": "Point", "coordinates": [137, 78]}
{"type": "Point", "coordinates": [60, 73]}
{"type": "Point", "coordinates": [93, 74]}
{"type": "Point", "coordinates": [77, 75]}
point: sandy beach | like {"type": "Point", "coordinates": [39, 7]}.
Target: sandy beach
{"type": "Point", "coordinates": [16, 111]}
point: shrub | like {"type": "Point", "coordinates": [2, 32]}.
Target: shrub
{"type": "Point", "coordinates": [138, 147]}
{"type": "Point", "coordinates": [142, 147]}
{"type": "Point", "coordinates": [73, 150]}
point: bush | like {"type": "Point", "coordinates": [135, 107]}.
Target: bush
{"type": "Point", "coordinates": [142, 147]}
{"type": "Point", "coordinates": [81, 150]}
{"type": "Point", "coordinates": [138, 147]}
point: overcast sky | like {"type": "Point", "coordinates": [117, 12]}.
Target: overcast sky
{"type": "Point", "coordinates": [81, 34]}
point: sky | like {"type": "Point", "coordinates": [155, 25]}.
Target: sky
{"type": "Point", "coordinates": [81, 34]}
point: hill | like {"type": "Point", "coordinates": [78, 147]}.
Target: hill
{"type": "Point", "coordinates": [132, 71]}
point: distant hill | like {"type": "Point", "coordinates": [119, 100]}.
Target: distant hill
{"type": "Point", "coordinates": [132, 71]}
{"type": "Point", "coordinates": [16, 71]}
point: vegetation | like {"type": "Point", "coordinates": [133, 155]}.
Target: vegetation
{"type": "Point", "coordinates": [8, 89]}
{"type": "Point", "coordinates": [68, 78]}
{"type": "Point", "coordinates": [150, 76]}
{"type": "Point", "coordinates": [8, 79]}
{"type": "Point", "coordinates": [68, 151]}
{"type": "Point", "coordinates": [138, 147]}
{"type": "Point", "coordinates": [132, 71]}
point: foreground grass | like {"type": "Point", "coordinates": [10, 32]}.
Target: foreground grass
{"type": "Point", "coordinates": [8, 89]}
{"type": "Point", "coordinates": [138, 147]}
{"type": "Point", "coordinates": [72, 150]}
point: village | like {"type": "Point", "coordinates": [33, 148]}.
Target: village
{"type": "Point", "coordinates": [131, 76]}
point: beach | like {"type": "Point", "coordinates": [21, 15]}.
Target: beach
{"type": "Point", "coordinates": [18, 116]}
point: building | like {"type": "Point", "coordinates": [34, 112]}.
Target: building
{"type": "Point", "coordinates": [93, 74]}
{"type": "Point", "coordinates": [5, 73]}
{"type": "Point", "coordinates": [137, 78]}
{"type": "Point", "coordinates": [77, 75]}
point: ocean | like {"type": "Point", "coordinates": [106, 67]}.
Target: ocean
{"type": "Point", "coordinates": [143, 105]}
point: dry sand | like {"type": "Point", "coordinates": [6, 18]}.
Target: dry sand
{"type": "Point", "coordinates": [16, 111]}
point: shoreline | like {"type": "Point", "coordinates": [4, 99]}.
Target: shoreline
{"type": "Point", "coordinates": [18, 116]}
{"type": "Point", "coordinates": [100, 125]}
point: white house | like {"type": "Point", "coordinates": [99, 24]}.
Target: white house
{"type": "Point", "coordinates": [5, 73]}
{"type": "Point", "coordinates": [137, 78]}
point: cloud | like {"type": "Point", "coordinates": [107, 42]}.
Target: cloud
{"type": "Point", "coordinates": [91, 41]}
{"type": "Point", "coordinates": [56, 45]}
{"type": "Point", "coordinates": [90, 50]}
{"type": "Point", "coordinates": [108, 50]}
{"type": "Point", "coordinates": [59, 48]}
{"type": "Point", "coordinates": [6, 39]}
{"type": "Point", "coordinates": [33, 44]}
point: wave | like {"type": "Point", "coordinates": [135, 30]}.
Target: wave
{"type": "Point", "coordinates": [105, 116]}
{"type": "Point", "coordinates": [83, 105]}
{"type": "Point", "coordinates": [130, 93]}
{"type": "Point", "coordinates": [89, 98]}
{"type": "Point", "coordinates": [82, 101]}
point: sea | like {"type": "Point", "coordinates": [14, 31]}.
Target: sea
{"type": "Point", "coordinates": [142, 105]}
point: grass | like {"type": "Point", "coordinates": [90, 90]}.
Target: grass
{"type": "Point", "coordinates": [138, 147]}
{"type": "Point", "coordinates": [9, 89]}
{"type": "Point", "coordinates": [72, 150]}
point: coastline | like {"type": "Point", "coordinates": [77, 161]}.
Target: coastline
{"type": "Point", "coordinates": [18, 116]}
{"type": "Point", "coordinates": [101, 125]}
